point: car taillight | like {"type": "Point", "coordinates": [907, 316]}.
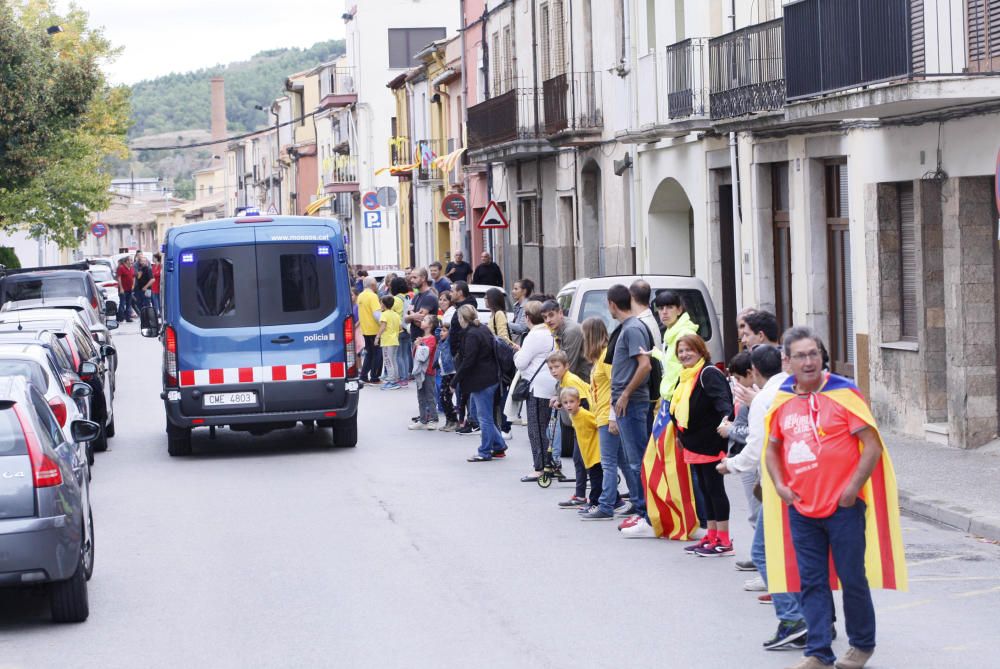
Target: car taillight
{"type": "Point", "coordinates": [59, 410]}
{"type": "Point", "coordinates": [170, 356]}
{"type": "Point", "coordinates": [350, 354]}
{"type": "Point", "coordinates": [109, 284]}
{"type": "Point", "coordinates": [44, 470]}
{"type": "Point", "coordinates": [68, 384]}
{"type": "Point", "coordinates": [93, 301]}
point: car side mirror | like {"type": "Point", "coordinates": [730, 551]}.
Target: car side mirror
{"type": "Point", "coordinates": [88, 370]}
{"type": "Point", "coordinates": [111, 324]}
{"type": "Point", "coordinates": [149, 322]}
{"type": "Point", "coordinates": [110, 309]}
{"type": "Point", "coordinates": [84, 430]}
{"type": "Point", "coordinates": [80, 390]}
{"type": "Point", "coordinates": [107, 350]}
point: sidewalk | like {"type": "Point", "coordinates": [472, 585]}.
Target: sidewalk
{"type": "Point", "coordinates": [952, 486]}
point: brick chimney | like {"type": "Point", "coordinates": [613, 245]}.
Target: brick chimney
{"type": "Point", "coordinates": [218, 112]}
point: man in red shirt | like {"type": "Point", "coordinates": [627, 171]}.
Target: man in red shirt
{"type": "Point", "coordinates": [125, 275]}
{"type": "Point", "coordinates": [820, 456]}
{"type": "Point", "coordinates": [155, 287]}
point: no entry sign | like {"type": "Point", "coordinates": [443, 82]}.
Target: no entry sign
{"type": "Point", "coordinates": [98, 229]}
{"type": "Point", "coordinates": [453, 207]}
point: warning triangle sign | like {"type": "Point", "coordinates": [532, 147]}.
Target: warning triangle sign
{"type": "Point", "coordinates": [492, 218]}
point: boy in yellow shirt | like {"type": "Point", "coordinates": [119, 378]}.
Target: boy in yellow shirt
{"type": "Point", "coordinates": [388, 338]}
{"type": "Point", "coordinates": [558, 363]}
{"type": "Point", "coordinates": [589, 445]}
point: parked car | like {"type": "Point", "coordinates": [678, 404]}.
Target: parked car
{"type": "Point", "coordinates": [44, 283]}
{"type": "Point", "coordinates": [478, 291]}
{"type": "Point", "coordinates": [257, 329]}
{"type": "Point", "coordinates": [46, 522]}
{"type": "Point", "coordinates": [89, 361]}
{"type": "Point", "coordinates": [105, 279]}
{"type": "Point", "coordinates": [582, 298]}
{"type": "Point", "coordinates": [96, 323]}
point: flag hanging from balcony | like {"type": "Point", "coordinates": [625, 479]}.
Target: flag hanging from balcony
{"type": "Point", "coordinates": [447, 162]}
{"type": "Point", "coordinates": [666, 479]}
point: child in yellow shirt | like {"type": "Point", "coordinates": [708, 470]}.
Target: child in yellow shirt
{"type": "Point", "coordinates": [558, 363]}
{"type": "Point", "coordinates": [589, 446]}
{"type": "Point", "coordinates": [388, 338]}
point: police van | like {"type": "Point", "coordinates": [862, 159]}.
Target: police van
{"type": "Point", "coordinates": [257, 328]}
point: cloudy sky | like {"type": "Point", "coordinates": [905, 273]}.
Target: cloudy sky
{"type": "Point", "coordinates": [182, 35]}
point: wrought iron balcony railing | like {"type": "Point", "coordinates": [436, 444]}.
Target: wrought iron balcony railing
{"type": "Point", "coordinates": [572, 102]}
{"type": "Point", "coordinates": [686, 76]}
{"type": "Point", "coordinates": [747, 71]}
{"type": "Point", "coordinates": [504, 118]}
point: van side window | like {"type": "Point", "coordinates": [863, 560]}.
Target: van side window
{"type": "Point", "coordinates": [216, 288]}
{"type": "Point", "coordinates": [300, 289]}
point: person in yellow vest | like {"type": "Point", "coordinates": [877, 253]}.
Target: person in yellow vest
{"type": "Point", "coordinates": [558, 362]}
{"type": "Point", "coordinates": [368, 307]}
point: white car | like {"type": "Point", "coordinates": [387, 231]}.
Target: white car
{"type": "Point", "coordinates": [478, 291]}
{"type": "Point", "coordinates": [105, 280]}
{"type": "Point", "coordinates": [69, 402]}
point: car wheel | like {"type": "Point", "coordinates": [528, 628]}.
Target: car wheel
{"type": "Point", "coordinates": [345, 432]}
{"type": "Point", "coordinates": [178, 440]}
{"type": "Point", "coordinates": [90, 454]}
{"type": "Point", "coordinates": [68, 599]}
{"type": "Point", "coordinates": [101, 443]}
{"type": "Point", "coordinates": [110, 429]}
{"type": "Point", "coordinates": [88, 553]}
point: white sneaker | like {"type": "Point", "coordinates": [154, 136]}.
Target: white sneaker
{"type": "Point", "coordinates": [431, 426]}
{"type": "Point", "coordinates": [755, 584]}
{"type": "Point", "coordinates": [641, 530]}
{"type": "Point", "coordinates": [507, 435]}
{"type": "Point", "coordinates": [417, 426]}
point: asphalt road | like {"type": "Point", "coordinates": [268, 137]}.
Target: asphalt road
{"type": "Point", "coordinates": [282, 552]}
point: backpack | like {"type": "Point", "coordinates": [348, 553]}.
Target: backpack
{"type": "Point", "coordinates": [655, 366]}
{"type": "Point", "coordinates": [504, 354]}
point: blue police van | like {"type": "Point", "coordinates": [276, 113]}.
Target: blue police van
{"type": "Point", "coordinates": [257, 328]}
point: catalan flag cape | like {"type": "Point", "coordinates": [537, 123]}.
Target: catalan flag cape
{"type": "Point", "coordinates": [885, 563]}
{"type": "Point", "coordinates": [666, 479]}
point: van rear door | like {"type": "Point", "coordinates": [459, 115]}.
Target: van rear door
{"type": "Point", "coordinates": [301, 318]}
{"type": "Point", "coordinates": [218, 341]}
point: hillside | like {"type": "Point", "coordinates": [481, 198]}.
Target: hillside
{"type": "Point", "coordinates": [175, 109]}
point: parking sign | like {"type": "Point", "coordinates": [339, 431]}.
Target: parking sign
{"type": "Point", "coordinates": [373, 219]}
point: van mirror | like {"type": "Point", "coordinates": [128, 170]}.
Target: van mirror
{"type": "Point", "coordinates": [80, 390]}
{"type": "Point", "coordinates": [84, 430]}
{"type": "Point", "coordinates": [149, 322]}
{"type": "Point", "coordinates": [110, 309]}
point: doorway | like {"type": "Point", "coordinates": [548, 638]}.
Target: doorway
{"type": "Point", "coordinates": [727, 251]}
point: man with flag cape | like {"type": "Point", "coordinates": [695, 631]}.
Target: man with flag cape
{"type": "Point", "coordinates": [666, 478]}
{"type": "Point", "coordinates": [831, 509]}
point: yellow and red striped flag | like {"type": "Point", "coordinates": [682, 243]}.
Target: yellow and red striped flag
{"type": "Point", "coordinates": [666, 479]}
{"type": "Point", "coordinates": [885, 560]}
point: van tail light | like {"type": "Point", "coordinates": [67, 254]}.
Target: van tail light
{"type": "Point", "coordinates": [170, 357]}
{"type": "Point", "coordinates": [350, 352]}
{"type": "Point", "coordinates": [44, 469]}
{"type": "Point", "coordinates": [59, 410]}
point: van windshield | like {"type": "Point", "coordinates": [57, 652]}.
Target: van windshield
{"type": "Point", "coordinates": [595, 303]}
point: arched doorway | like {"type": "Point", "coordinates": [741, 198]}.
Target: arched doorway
{"type": "Point", "coordinates": [590, 238]}
{"type": "Point", "coordinates": [671, 230]}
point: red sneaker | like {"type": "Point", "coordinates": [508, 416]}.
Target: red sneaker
{"type": "Point", "coordinates": [764, 599]}
{"type": "Point", "coordinates": [704, 542]}
{"type": "Point", "coordinates": [628, 522]}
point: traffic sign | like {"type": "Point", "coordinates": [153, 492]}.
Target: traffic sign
{"type": "Point", "coordinates": [387, 196]}
{"type": "Point", "coordinates": [370, 200]}
{"type": "Point", "coordinates": [453, 207]}
{"type": "Point", "coordinates": [492, 218]}
{"type": "Point", "coordinates": [373, 219]}
{"type": "Point", "coordinates": [98, 229]}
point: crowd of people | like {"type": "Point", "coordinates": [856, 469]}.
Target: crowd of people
{"type": "Point", "coordinates": [647, 400]}
{"type": "Point", "coordinates": [138, 282]}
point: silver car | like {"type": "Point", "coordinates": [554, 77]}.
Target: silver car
{"type": "Point", "coordinates": [46, 523]}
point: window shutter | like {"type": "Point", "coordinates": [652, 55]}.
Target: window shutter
{"type": "Point", "coordinates": [918, 59]}
{"type": "Point", "coordinates": [907, 264]}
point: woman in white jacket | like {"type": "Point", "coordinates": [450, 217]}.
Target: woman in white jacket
{"type": "Point", "coordinates": [530, 361]}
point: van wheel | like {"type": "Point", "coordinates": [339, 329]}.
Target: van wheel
{"type": "Point", "coordinates": [345, 432]}
{"type": "Point", "coordinates": [101, 443]}
{"type": "Point", "coordinates": [68, 599]}
{"type": "Point", "coordinates": [178, 440]}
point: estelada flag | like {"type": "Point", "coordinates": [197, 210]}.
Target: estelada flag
{"type": "Point", "coordinates": [666, 479]}
{"type": "Point", "coordinates": [885, 562]}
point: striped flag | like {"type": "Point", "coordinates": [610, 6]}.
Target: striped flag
{"type": "Point", "coordinates": [666, 479]}
{"type": "Point", "coordinates": [885, 561]}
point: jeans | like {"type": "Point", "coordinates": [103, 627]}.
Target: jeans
{"type": "Point", "coordinates": [125, 306]}
{"type": "Point", "coordinates": [437, 390]}
{"type": "Point", "coordinates": [391, 374]}
{"type": "Point", "coordinates": [787, 605]}
{"type": "Point", "coordinates": [481, 406]}
{"type": "Point", "coordinates": [538, 422]}
{"type": "Point", "coordinates": [612, 456]}
{"type": "Point", "coordinates": [635, 438]}
{"type": "Point", "coordinates": [841, 535]}
{"type": "Point", "coordinates": [498, 415]}
{"type": "Point", "coordinates": [749, 480]}
{"type": "Point", "coordinates": [404, 356]}
{"type": "Point", "coordinates": [445, 397]}
{"type": "Point", "coordinates": [156, 304]}
{"type": "Point", "coordinates": [426, 400]}
{"type": "Point", "coordinates": [371, 368]}
{"type": "Point", "coordinates": [140, 300]}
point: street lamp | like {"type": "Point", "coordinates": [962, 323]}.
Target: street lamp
{"type": "Point", "coordinates": [225, 184]}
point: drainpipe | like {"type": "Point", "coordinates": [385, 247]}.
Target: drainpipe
{"type": "Point", "coordinates": [538, 158]}
{"type": "Point", "coordinates": [466, 185]}
{"type": "Point", "coordinates": [734, 167]}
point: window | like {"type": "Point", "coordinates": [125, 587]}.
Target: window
{"type": "Point", "coordinates": [531, 232]}
{"type": "Point", "coordinates": [508, 59]}
{"type": "Point", "coordinates": [496, 64]}
{"type": "Point", "coordinates": [405, 42]}
{"type": "Point", "coordinates": [300, 288]}
{"type": "Point", "coordinates": [558, 39]}
{"type": "Point", "coordinates": [50, 430]}
{"type": "Point", "coordinates": [595, 303]}
{"type": "Point", "coordinates": [545, 46]}
{"type": "Point", "coordinates": [983, 34]}
{"type": "Point", "coordinates": [27, 370]}
{"type": "Point", "coordinates": [839, 270]}
{"type": "Point", "coordinates": [782, 241]}
{"type": "Point", "coordinates": [216, 288]}
{"type": "Point", "coordinates": [650, 25]}
{"type": "Point", "coordinates": [11, 436]}
{"type": "Point", "coordinates": [304, 290]}
{"type": "Point", "coordinates": [907, 264]}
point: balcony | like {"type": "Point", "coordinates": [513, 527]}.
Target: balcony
{"type": "Point", "coordinates": [401, 158]}
{"type": "Point", "coordinates": [340, 174]}
{"type": "Point", "coordinates": [747, 71]}
{"type": "Point", "coordinates": [504, 126]}
{"type": "Point", "coordinates": [336, 87]}
{"type": "Point", "coordinates": [687, 78]}
{"type": "Point", "coordinates": [426, 151]}
{"type": "Point", "coordinates": [573, 108]}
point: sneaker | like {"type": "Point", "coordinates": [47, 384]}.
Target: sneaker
{"type": "Point", "coordinates": [418, 426]}
{"type": "Point", "coordinates": [716, 549]}
{"type": "Point", "coordinates": [389, 386]}
{"type": "Point", "coordinates": [640, 530]}
{"type": "Point", "coordinates": [787, 633]}
{"type": "Point", "coordinates": [468, 429]}
{"type": "Point", "coordinates": [755, 584]}
{"type": "Point", "coordinates": [701, 543]}
{"type": "Point", "coordinates": [585, 509]}
{"type": "Point", "coordinates": [854, 658]}
{"type": "Point", "coordinates": [628, 522]}
{"type": "Point", "coordinates": [765, 598]}
{"type": "Point", "coordinates": [449, 426]}
{"type": "Point", "coordinates": [500, 454]}
{"type": "Point", "coordinates": [415, 419]}
{"type": "Point", "coordinates": [745, 565]}
{"type": "Point", "coordinates": [431, 426]}
{"type": "Point", "coordinates": [624, 509]}
{"type": "Point", "coordinates": [811, 662]}
{"type": "Point", "coordinates": [596, 514]}
{"type": "Point", "coordinates": [507, 435]}
{"type": "Point", "coordinates": [573, 502]}
{"type": "Point", "coordinates": [798, 644]}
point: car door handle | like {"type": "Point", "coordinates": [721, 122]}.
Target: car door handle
{"type": "Point", "coordinates": [283, 339]}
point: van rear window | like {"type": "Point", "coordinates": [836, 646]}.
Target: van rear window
{"type": "Point", "coordinates": [299, 285]}
{"type": "Point", "coordinates": [218, 287]}
{"type": "Point", "coordinates": [300, 290]}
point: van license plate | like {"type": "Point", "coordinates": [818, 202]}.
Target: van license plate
{"type": "Point", "coordinates": [229, 399]}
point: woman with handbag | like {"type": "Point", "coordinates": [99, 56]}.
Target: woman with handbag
{"type": "Point", "coordinates": [497, 303]}
{"type": "Point", "coordinates": [536, 386]}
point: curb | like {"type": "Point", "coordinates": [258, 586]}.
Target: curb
{"type": "Point", "coordinates": [954, 516]}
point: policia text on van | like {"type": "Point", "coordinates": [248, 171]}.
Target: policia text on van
{"type": "Point", "coordinates": [257, 328]}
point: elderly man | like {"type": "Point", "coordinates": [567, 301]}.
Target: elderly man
{"type": "Point", "coordinates": [458, 269]}
{"type": "Point", "coordinates": [488, 273]}
{"type": "Point", "coordinates": [368, 304]}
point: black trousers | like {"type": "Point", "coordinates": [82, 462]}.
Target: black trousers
{"type": "Point", "coordinates": [713, 489]}
{"type": "Point", "coordinates": [371, 369]}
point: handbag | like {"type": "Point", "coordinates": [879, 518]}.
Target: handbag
{"type": "Point", "coordinates": [522, 389]}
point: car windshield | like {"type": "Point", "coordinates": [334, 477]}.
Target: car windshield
{"type": "Point", "coordinates": [26, 369]}
{"type": "Point", "coordinates": [11, 436]}
{"type": "Point", "coordinates": [595, 303]}
{"type": "Point", "coordinates": [16, 288]}
{"type": "Point", "coordinates": [101, 273]}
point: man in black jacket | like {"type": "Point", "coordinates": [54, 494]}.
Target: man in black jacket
{"type": "Point", "coordinates": [488, 272]}
{"type": "Point", "coordinates": [456, 333]}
